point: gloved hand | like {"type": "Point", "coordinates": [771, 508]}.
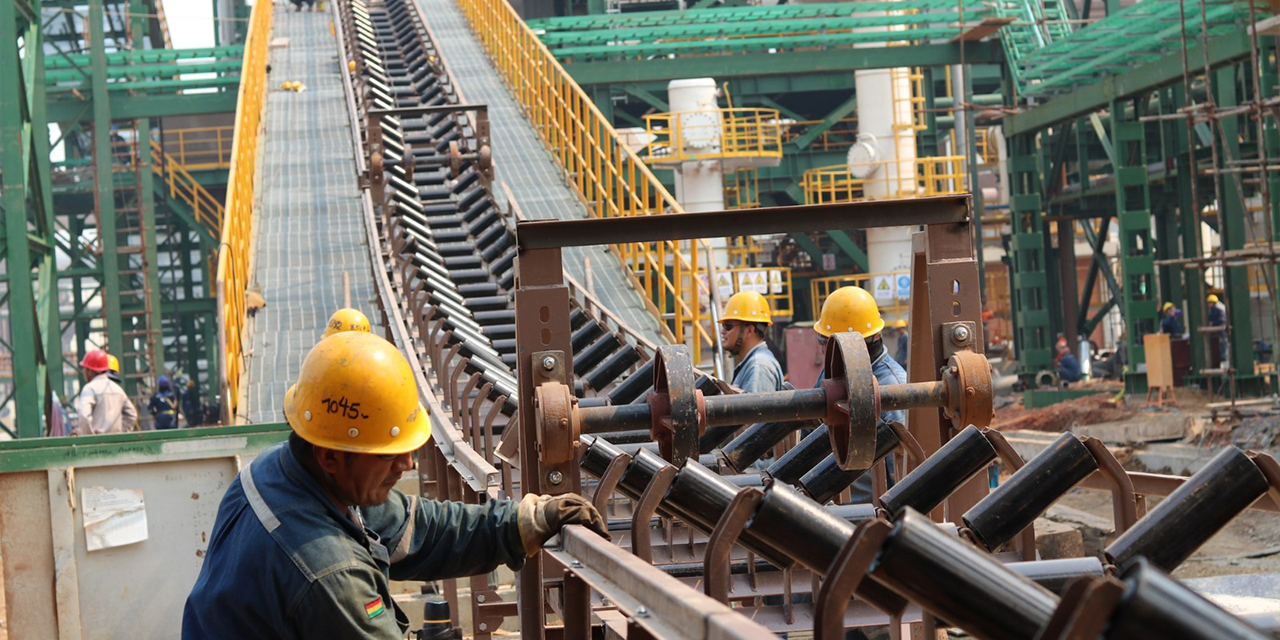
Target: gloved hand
{"type": "Point", "coordinates": [540, 518]}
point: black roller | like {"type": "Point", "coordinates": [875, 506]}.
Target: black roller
{"type": "Point", "coordinates": [634, 386]}
{"type": "Point", "coordinates": [755, 441]}
{"type": "Point", "coordinates": [802, 457]}
{"type": "Point", "coordinates": [585, 335]}
{"type": "Point", "coordinates": [612, 367]}
{"type": "Point", "coordinates": [1157, 606]}
{"type": "Point", "coordinates": [997, 518]}
{"type": "Point", "coordinates": [960, 584]}
{"type": "Point", "coordinates": [1189, 516]}
{"type": "Point", "coordinates": [715, 436]}
{"type": "Point", "coordinates": [941, 474]}
{"type": "Point", "coordinates": [788, 520]}
{"type": "Point", "coordinates": [826, 480]}
{"type": "Point", "coordinates": [1057, 574]}
{"type": "Point", "coordinates": [587, 359]}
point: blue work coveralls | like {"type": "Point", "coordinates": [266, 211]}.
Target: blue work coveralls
{"type": "Point", "coordinates": [283, 562]}
{"type": "Point", "coordinates": [759, 371]}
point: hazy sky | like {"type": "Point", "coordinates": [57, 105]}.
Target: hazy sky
{"type": "Point", "coordinates": [190, 23]}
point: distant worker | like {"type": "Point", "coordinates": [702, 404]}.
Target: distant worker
{"type": "Point", "coordinates": [346, 319]}
{"type": "Point", "coordinates": [192, 408]}
{"type": "Point", "coordinates": [310, 534]}
{"type": "Point", "coordinates": [1217, 317]}
{"type": "Point", "coordinates": [903, 343]}
{"type": "Point", "coordinates": [853, 309]}
{"type": "Point", "coordinates": [1068, 364]}
{"type": "Point", "coordinates": [742, 329]}
{"type": "Point", "coordinates": [102, 405]}
{"type": "Point", "coordinates": [1169, 323]}
{"type": "Point", "coordinates": [113, 369]}
{"type": "Point", "coordinates": [164, 405]}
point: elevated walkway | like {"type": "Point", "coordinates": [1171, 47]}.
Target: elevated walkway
{"type": "Point", "coordinates": [308, 226]}
{"type": "Point", "coordinates": [523, 163]}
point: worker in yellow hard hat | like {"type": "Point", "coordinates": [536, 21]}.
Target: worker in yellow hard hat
{"type": "Point", "coordinates": [310, 534]}
{"type": "Point", "coordinates": [346, 319]}
{"type": "Point", "coordinates": [1216, 315]}
{"type": "Point", "coordinates": [1169, 323]}
{"type": "Point", "coordinates": [854, 309]}
{"type": "Point", "coordinates": [743, 325]}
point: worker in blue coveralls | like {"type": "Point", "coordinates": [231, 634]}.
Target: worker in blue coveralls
{"type": "Point", "coordinates": [164, 405]}
{"type": "Point", "coordinates": [742, 332]}
{"type": "Point", "coordinates": [853, 309]}
{"type": "Point", "coordinates": [309, 536]}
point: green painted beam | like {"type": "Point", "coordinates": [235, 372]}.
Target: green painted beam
{"type": "Point", "coordinates": [1085, 100]}
{"type": "Point", "coordinates": [836, 115]}
{"type": "Point", "coordinates": [733, 14]}
{"type": "Point", "coordinates": [159, 85]}
{"type": "Point", "coordinates": [648, 97]}
{"type": "Point", "coordinates": [56, 453]}
{"type": "Point", "coordinates": [644, 50]}
{"type": "Point", "coordinates": [847, 245]}
{"type": "Point", "coordinates": [147, 56]}
{"type": "Point", "coordinates": [126, 106]}
{"type": "Point", "coordinates": [783, 63]}
{"type": "Point", "coordinates": [149, 70]}
{"type": "Point", "coordinates": [103, 163]}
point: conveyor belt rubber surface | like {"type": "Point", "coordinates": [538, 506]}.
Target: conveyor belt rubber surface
{"type": "Point", "coordinates": [309, 223]}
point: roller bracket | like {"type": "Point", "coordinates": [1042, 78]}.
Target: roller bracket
{"type": "Point", "coordinates": [677, 412]}
{"type": "Point", "coordinates": [558, 426]}
{"type": "Point", "coordinates": [969, 389]}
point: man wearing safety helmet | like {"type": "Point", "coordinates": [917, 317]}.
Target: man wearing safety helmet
{"type": "Point", "coordinates": [853, 309]}
{"type": "Point", "coordinates": [102, 405]}
{"type": "Point", "coordinates": [742, 330]}
{"type": "Point", "coordinates": [310, 534]}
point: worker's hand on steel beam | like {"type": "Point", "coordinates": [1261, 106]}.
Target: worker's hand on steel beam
{"type": "Point", "coordinates": [541, 517]}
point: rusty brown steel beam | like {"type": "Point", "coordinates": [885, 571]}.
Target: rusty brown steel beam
{"type": "Point", "coordinates": [936, 210]}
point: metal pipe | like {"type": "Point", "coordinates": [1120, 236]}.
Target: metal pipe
{"type": "Point", "coordinates": [755, 441]}
{"type": "Point", "coordinates": [1205, 503]}
{"type": "Point", "coordinates": [788, 520]}
{"type": "Point", "coordinates": [802, 457]}
{"type": "Point", "coordinates": [997, 518]}
{"type": "Point", "coordinates": [826, 480]}
{"type": "Point", "coordinates": [1155, 605]}
{"type": "Point", "coordinates": [941, 474]}
{"type": "Point", "coordinates": [1056, 575]}
{"type": "Point", "coordinates": [963, 586]}
{"type": "Point", "coordinates": [913, 395]}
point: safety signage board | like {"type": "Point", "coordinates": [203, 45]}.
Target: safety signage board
{"type": "Point", "coordinates": [882, 287]}
{"type": "Point", "coordinates": [904, 286]}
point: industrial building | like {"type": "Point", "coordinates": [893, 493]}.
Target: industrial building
{"type": "Point", "coordinates": [1061, 219]}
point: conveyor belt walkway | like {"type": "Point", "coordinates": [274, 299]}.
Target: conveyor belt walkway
{"type": "Point", "coordinates": [523, 163]}
{"type": "Point", "coordinates": [309, 224]}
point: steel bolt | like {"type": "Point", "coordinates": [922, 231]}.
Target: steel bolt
{"type": "Point", "coordinates": [960, 334]}
{"type": "Point", "coordinates": [484, 627]}
{"type": "Point", "coordinates": [479, 597]}
{"type": "Point", "coordinates": [642, 612]}
{"type": "Point", "coordinates": [576, 564]}
{"type": "Point", "coordinates": [555, 477]}
{"type": "Point", "coordinates": [970, 391]}
{"type": "Point", "coordinates": [548, 363]}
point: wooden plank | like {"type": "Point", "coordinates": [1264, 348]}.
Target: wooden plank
{"type": "Point", "coordinates": [27, 553]}
{"type": "Point", "coordinates": [983, 29]}
{"type": "Point", "coordinates": [1159, 360]}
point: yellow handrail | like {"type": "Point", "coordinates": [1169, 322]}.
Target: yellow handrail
{"type": "Point", "coordinates": [206, 208]}
{"type": "Point", "coordinates": [233, 259]}
{"type": "Point", "coordinates": [199, 148]}
{"type": "Point", "coordinates": [889, 302]}
{"type": "Point", "coordinates": [610, 179]}
{"type": "Point", "coordinates": [688, 136]}
{"type": "Point", "coordinates": [932, 176]}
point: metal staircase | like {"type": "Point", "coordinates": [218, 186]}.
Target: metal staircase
{"type": "Point", "coordinates": [1037, 24]}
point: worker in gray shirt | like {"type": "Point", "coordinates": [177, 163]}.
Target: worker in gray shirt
{"type": "Point", "coordinates": [102, 405]}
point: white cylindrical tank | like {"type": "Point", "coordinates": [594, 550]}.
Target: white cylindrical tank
{"type": "Point", "coordinates": [700, 184]}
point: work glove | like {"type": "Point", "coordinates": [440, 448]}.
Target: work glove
{"type": "Point", "coordinates": [540, 518]}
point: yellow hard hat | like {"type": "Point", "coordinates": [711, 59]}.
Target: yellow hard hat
{"type": "Point", "coordinates": [113, 363]}
{"type": "Point", "coordinates": [346, 319]}
{"type": "Point", "coordinates": [899, 323]}
{"type": "Point", "coordinates": [849, 309]}
{"type": "Point", "coordinates": [356, 392]}
{"type": "Point", "coordinates": [1213, 298]}
{"type": "Point", "coordinates": [747, 306]}
{"type": "Point", "coordinates": [1167, 306]}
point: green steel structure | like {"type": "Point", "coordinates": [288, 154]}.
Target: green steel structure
{"type": "Point", "coordinates": [1139, 123]}
{"type": "Point", "coordinates": [102, 248]}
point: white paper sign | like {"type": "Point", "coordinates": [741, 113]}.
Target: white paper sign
{"type": "Point", "coordinates": [882, 287]}
{"type": "Point", "coordinates": [775, 281]}
{"type": "Point", "coordinates": [113, 517]}
{"type": "Point", "coordinates": [904, 287]}
{"type": "Point", "coordinates": [725, 284]}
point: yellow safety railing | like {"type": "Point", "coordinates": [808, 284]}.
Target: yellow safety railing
{"type": "Point", "coordinates": [206, 208]}
{"type": "Point", "coordinates": [236, 236]}
{"type": "Point", "coordinates": [884, 287]}
{"type": "Point", "coordinates": [200, 148]}
{"type": "Point", "coordinates": [610, 179]}
{"type": "Point", "coordinates": [841, 135]}
{"type": "Point", "coordinates": [688, 136]}
{"type": "Point", "coordinates": [940, 175]}
{"type": "Point", "coordinates": [742, 188]}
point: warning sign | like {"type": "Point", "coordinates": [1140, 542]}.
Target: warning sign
{"type": "Point", "coordinates": [882, 287]}
{"type": "Point", "coordinates": [725, 285]}
{"type": "Point", "coordinates": [775, 281]}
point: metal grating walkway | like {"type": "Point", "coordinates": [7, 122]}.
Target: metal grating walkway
{"type": "Point", "coordinates": [308, 226]}
{"type": "Point", "coordinates": [526, 167]}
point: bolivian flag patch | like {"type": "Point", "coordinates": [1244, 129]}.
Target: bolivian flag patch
{"type": "Point", "coordinates": [375, 608]}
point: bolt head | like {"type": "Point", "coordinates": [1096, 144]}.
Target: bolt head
{"type": "Point", "coordinates": [484, 627]}
{"type": "Point", "coordinates": [642, 612]}
{"type": "Point", "coordinates": [555, 477]}
{"type": "Point", "coordinates": [479, 597]}
{"type": "Point", "coordinates": [576, 564]}
{"type": "Point", "coordinates": [548, 363]}
{"type": "Point", "coordinates": [960, 334]}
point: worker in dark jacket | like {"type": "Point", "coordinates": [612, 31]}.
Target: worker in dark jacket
{"type": "Point", "coordinates": [164, 405]}
{"type": "Point", "coordinates": [309, 536]}
{"type": "Point", "coordinates": [192, 407]}
{"type": "Point", "coordinates": [1170, 324]}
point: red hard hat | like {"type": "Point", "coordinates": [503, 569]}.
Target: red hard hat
{"type": "Point", "coordinates": [95, 360]}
